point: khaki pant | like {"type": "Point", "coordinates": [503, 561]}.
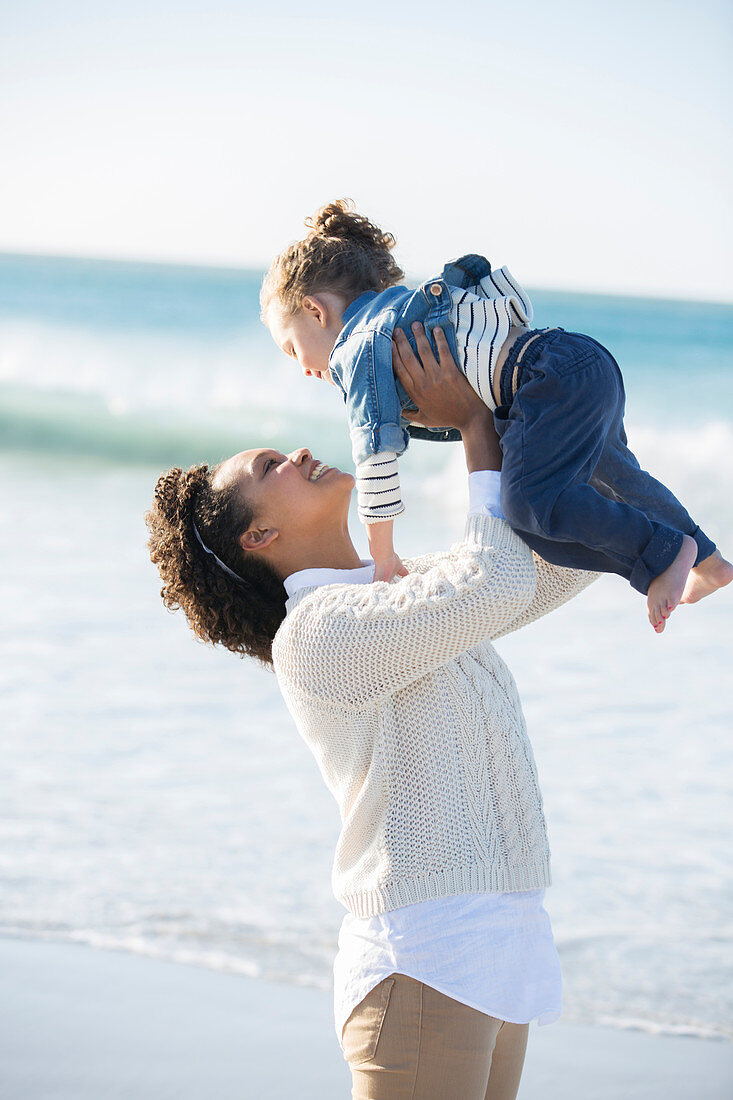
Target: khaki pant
{"type": "Point", "coordinates": [406, 1041]}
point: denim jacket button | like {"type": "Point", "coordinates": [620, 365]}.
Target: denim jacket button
{"type": "Point", "coordinates": [436, 289]}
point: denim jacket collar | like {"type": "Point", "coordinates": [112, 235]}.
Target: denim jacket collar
{"type": "Point", "coordinates": [461, 272]}
{"type": "Point", "coordinates": [356, 305]}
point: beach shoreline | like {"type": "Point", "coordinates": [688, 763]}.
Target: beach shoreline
{"type": "Point", "coordinates": [88, 1023]}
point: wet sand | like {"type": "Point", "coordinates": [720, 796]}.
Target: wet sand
{"type": "Point", "coordinates": [78, 1023]}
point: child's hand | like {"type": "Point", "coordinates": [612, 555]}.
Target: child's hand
{"type": "Point", "coordinates": [388, 568]}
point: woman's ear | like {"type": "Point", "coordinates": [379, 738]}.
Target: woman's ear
{"type": "Point", "coordinates": [258, 538]}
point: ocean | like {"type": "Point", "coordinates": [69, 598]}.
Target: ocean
{"type": "Point", "coordinates": [155, 796]}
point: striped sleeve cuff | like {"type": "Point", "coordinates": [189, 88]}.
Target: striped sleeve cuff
{"type": "Point", "coordinates": [378, 488]}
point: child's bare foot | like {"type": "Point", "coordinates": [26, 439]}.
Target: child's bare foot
{"type": "Point", "coordinates": [714, 572]}
{"type": "Point", "coordinates": [665, 591]}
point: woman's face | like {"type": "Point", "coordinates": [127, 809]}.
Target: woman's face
{"type": "Point", "coordinates": [294, 494]}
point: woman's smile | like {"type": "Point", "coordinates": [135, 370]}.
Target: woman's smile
{"type": "Point", "coordinates": [318, 469]}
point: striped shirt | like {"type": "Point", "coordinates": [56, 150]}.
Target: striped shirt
{"type": "Point", "coordinates": [482, 316]}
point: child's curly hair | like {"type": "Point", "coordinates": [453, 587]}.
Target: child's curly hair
{"type": "Point", "coordinates": [242, 616]}
{"type": "Point", "coordinates": [344, 253]}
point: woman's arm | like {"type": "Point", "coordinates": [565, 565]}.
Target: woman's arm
{"type": "Point", "coordinates": [430, 387]}
{"type": "Point", "coordinates": [352, 644]}
{"type": "Point", "coordinates": [556, 584]}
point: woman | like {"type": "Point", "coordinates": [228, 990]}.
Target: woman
{"type": "Point", "coordinates": [446, 952]}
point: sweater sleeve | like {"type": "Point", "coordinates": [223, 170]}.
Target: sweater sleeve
{"type": "Point", "coordinates": [555, 586]}
{"type": "Point", "coordinates": [352, 644]}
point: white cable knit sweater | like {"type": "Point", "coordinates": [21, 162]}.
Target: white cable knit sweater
{"type": "Point", "coordinates": [416, 724]}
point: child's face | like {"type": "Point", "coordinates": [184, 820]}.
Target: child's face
{"type": "Point", "coordinates": [309, 335]}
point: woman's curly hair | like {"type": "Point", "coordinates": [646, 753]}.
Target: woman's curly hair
{"type": "Point", "coordinates": [242, 615]}
{"type": "Point", "coordinates": [344, 253]}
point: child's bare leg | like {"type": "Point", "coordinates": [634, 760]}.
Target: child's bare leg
{"type": "Point", "coordinates": [665, 591]}
{"type": "Point", "coordinates": [712, 573]}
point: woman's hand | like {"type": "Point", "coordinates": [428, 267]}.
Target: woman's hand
{"type": "Point", "coordinates": [444, 397]}
{"type": "Point", "coordinates": [442, 394]}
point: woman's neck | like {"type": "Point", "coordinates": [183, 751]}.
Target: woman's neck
{"type": "Point", "coordinates": [327, 550]}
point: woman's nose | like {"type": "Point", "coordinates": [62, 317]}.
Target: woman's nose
{"type": "Point", "coordinates": [300, 456]}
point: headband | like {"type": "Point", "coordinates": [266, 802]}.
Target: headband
{"type": "Point", "coordinates": [219, 562]}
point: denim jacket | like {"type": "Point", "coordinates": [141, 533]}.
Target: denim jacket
{"type": "Point", "coordinates": [361, 361]}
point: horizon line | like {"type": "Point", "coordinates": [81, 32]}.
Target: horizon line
{"type": "Point", "coordinates": [232, 266]}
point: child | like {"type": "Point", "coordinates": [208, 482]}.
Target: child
{"type": "Point", "coordinates": [570, 486]}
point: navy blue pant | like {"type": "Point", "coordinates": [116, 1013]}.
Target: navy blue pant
{"type": "Point", "coordinates": [570, 486]}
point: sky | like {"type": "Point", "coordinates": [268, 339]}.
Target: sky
{"type": "Point", "coordinates": [587, 146]}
